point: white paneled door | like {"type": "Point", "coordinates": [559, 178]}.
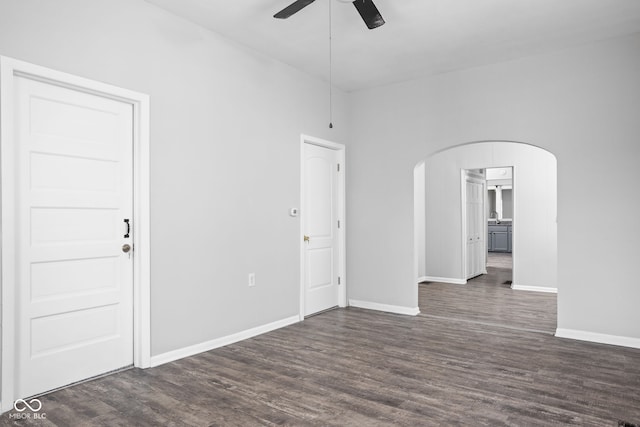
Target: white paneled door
{"type": "Point", "coordinates": [476, 247]}
{"type": "Point", "coordinates": [73, 195]}
{"type": "Point", "coordinates": [320, 211]}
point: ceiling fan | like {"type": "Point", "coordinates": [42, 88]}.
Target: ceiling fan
{"type": "Point", "coordinates": [368, 11]}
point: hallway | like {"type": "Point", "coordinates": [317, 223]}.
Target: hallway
{"type": "Point", "coordinates": [489, 299]}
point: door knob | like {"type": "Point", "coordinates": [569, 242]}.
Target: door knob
{"type": "Point", "coordinates": [126, 248]}
{"type": "Point", "coordinates": [306, 238]}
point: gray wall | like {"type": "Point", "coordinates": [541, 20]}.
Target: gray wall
{"type": "Point", "coordinates": [580, 104]}
{"type": "Point", "coordinates": [225, 135]}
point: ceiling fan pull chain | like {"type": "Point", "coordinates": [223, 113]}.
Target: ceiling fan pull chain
{"type": "Point", "coordinates": [330, 71]}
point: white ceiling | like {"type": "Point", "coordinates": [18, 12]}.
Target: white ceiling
{"type": "Point", "coordinates": [421, 37]}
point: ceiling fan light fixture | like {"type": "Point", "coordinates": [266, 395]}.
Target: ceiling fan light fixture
{"type": "Point", "coordinates": [369, 14]}
{"type": "Point", "coordinates": [366, 8]}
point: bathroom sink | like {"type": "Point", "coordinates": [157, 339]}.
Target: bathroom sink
{"type": "Point", "coordinates": [505, 222]}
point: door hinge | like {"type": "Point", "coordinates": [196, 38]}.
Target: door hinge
{"type": "Point", "coordinates": [338, 167]}
{"type": "Point", "coordinates": [338, 223]}
{"type": "Point", "coordinates": [338, 280]}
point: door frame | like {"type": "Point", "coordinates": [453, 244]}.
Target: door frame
{"type": "Point", "coordinates": [513, 225]}
{"type": "Point", "coordinates": [9, 69]}
{"type": "Point", "coordinates": [513, 217]}
{"type": "Point", "coordinates": [342, 231]}
{"type": "Point", "coordinates": [464, 178]}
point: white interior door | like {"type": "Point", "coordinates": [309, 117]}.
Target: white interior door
{"type": "Point", "coordinates": [320, 212]}
{"type": "Point", "coordinates": [475, 228]}
{"type": "Point", "coordinates": [74, 190]}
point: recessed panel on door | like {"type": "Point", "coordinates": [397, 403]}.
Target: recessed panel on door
{"type": "Point", "coordinates": [81, 327]}
{"type": "Point", "coordinates": [320, 268]}
{"type": "Point", "coordinates": [73, 120]}
{"type": "Point", "coordinates": [320, 191]}
{"type": "Point", "coordinates": [63, 278]}
{"type": "Point", "coordinates": [97, 174]}
{"type": "Point", "coordinates": [59, 226]}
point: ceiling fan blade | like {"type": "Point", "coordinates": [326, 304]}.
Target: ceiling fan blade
{"type": "Point", "coordinates": [294, 7]}
{"type": "Point", "coordinates": [369, 12]}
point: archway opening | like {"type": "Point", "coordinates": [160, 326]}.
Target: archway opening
{"type": "Point", "coordinates": [442, 224]}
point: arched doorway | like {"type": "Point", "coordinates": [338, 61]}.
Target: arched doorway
{"type": "Point", "coordinates": [440, 223]}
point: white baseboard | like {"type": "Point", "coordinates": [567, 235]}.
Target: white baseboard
{"type": "Point", "coordinates": [599, 338]}
{"type": "Point", "coordinates": [442, 280]}
{"type": "Point", "coordinates": [534, 289]}
{"type": "Point", "coordinates": [180, 353]}
{"type": "Point", "coordinates": [397, 309]}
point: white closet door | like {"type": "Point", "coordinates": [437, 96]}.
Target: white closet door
{"type": "Point", "coordinates": [320, 210]}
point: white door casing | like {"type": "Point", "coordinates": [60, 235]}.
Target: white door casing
{"type": "Point", "coordinates": [322, 226]}
{"type": "Point", "coordinates": [73, 304]}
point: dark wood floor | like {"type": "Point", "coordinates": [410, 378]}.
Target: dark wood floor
{"type": "Point", "coordinates": [353, 367]}
{"type": "Point", "coordinates": [500, 260]}
{"type": "Point", "coordinates": [490, 299]}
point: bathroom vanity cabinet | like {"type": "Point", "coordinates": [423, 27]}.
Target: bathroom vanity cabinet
{"type": "Point", "coordinates": [499, 238]}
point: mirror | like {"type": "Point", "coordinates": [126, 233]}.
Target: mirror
{"type": "Point", "coordinates": [499, 194]}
